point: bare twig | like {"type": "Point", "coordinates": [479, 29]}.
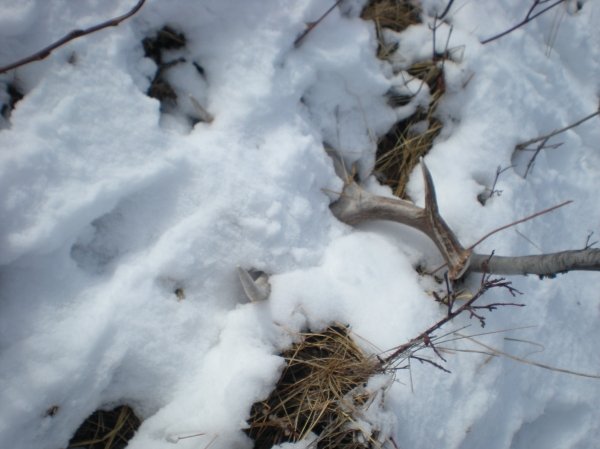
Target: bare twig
{"type": "Point", "coordinates": [522, 220]}
{"type": "Point", "coordinates": [490, 192]}
{"type": "Point", "coordinates": [446, 10]}
{"type": "Point", "coordinates": [312, 25]}
{"type": "Point", "coordinates": [494, 305]}
{"type": "Point", "coordinates": [456, 336]}
{"type": "Point", "coordinates": [541, 146]}
{"type": "Point", "coordinates": [481, 258]}
{"type": "Point", "coordinates": [531, 14]}
{"type": "Point", "coordinates": [424, 337]}
{"type": "Point", "coordinates": [446, 53]}
{"type": "Point", "coordinates": [497, 352]}
{"type": "Point", "coordinates": [74, 34]}
{"type": "Point", "coordinates": [588, 241]}
{"type": "Point", "coordinates": [543, 140]}
{"type": "Point", "coordinates": [431, 362]}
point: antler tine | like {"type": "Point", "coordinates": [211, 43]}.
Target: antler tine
{"type": "Point", "coordinates": [356, 204]}
{"type": "Point", "coordinates": [453, 252]}
{"type": "Point", "coordinates": [256, 290]}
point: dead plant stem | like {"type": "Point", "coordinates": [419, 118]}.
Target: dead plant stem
{"type": "Point", "coordinates": [524, 145]}
{"type": "Point", "coordinates": [314, 24]}
{"type": "Point", "coordinates": [74, 34]}
{"type": "Point", "coordinates": [497, 352]}
{"type": "Point", "coordinates": [528, 18]}
{"type": "Point", "coordinates": [486, 284]}
{"type": "Point", "coordinates": [522, 220]}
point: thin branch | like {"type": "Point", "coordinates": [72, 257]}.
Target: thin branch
{"type": "Point", "coordinates": [431, 362]}
{"type": "Point", "coordinates": [446, 53]}
{"type": "Point", "coordinates": [457, 336]}
{"type": "Point", "coordinates": [588, 241]}
{"type": "Point", "coordinates": [522, 220]}
{"type": "Point", "coordinates": [528, 18]}
{"type": "Point", "coordinates": [74, 34]}
{"type": "Point", "coordinates": [481, 258]}
{"type": "Point", "coordinates": [543, 140]}
{"type": "Point", "coordinates": [313, 25]}
{"type": "Point", "coordinates": [542, 146]}
{"type": "Point", "coordinates": [528, 240]}
{"type": "Point", "coordinates": [498, 352]}
{"type": "Point", "coordinates": [494, 305]}
{"type": "Point", "coordinates": [543, 265]}
{"type": "Point", "coordinates": [446, 10]}
{"type": "Point", "coordinates": [486, 284]}
{"type": "Point", "coordinates": [490, 192]}
{"type": "Point", "coordinates": [524, 145]}
{"type": "Point", "coordinates": [429, 344]}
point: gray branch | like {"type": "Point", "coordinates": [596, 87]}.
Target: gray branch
{"type": "Point", "coordinates": [542, 265]}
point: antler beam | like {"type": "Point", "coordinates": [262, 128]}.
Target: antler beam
{"type": "Point", "coordinates": [356, 205]}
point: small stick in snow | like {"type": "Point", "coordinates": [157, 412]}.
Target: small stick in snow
{"type": "Point", "coordinates": [531, 14]}
{"type": "Point", "coordinates": [522, 220]}
{"type": "Point", "coordinates": [496, 352]}
{"type": "Point", "coordinates": [312, 25]}
{"type": "Point", "coordinates": [490, 192]}
{"type": "Point", "coordinates": [74, 34]}
{"type": "Point", "coordinates": [445, 11]}
{"type": "Point", "coordinates": [543, 140]}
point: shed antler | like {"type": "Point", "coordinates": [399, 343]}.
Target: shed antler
{"type": "Point", "coordinates": [356, 204]}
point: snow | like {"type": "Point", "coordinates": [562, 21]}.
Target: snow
{"type": "Point", "coordinates": [108, 206]}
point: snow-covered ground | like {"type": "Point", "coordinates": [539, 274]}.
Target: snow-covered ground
{"type": "Point", "coordinates": [107, 208]}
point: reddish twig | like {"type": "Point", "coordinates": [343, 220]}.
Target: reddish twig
{"type": "Point", "coordinates": [74, 34]}
{"type": "Point", "coordinates": [424, 337]}
{"type": "Point", "coordinates": [509, 225]}
{"type": "Point", "coordinates": [522, 220]}
{"type": "Point", "coordinates": [431, 362]}
{"type": "Point", "coordinates": [531, 14]}
{"type": "Point", "coordinates": [429, 344]}
{"type": "Point", "coordinates": [312, 25]}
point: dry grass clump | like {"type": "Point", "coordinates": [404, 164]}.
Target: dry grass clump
{"type": "Point", "coordinates": [319, 389]}
{"type": "Point", "coordinates": [396, 15]}
{"type": "Point", "coordinates": [154, 48]}
{"type": "Point", "coordinates": [399, 151]}
{"type": "Point", "coordinates": [103, 429]}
